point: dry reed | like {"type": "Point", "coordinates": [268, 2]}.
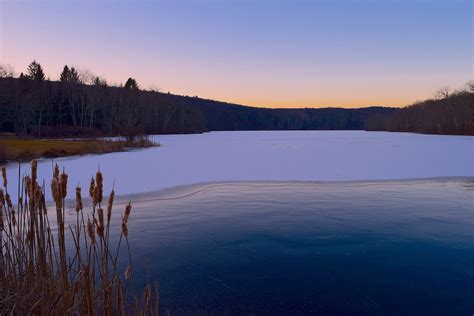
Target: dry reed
{"type": "Point", "coordinates": [40, 275]}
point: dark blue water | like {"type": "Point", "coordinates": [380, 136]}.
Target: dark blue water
{"type": "Point", "coordinates": [359, 248]}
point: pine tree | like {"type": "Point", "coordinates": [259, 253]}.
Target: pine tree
{"type": "Point", "coordinates": [35, 72]}
{"type": "Point", "coordinates": [69, 75]}
{"type": "Point", "coordinates": [65, 74]}
{"type": "Point", "coordinates": [74, 76]}
{"type": "Point", "coordinates": [131, 84]}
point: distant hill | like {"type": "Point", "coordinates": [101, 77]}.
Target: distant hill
{"type": "Point", "coordinates": [56, 109]}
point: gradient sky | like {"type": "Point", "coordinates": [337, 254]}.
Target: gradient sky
{"type": "Point", "coordinates": [262, 53]}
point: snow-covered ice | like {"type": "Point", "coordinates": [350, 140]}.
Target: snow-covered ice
{"type": "Point", "coordinates": [269, 156]}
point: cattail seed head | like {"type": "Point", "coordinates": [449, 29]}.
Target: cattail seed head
{"type": "Point", "coordinates": [90, 231]}
{"type": "Point", "coordinates": [63, 183]}
{"type": "Point", "coordinates": [125, 229]}
{"type": "Point", "coordinates": [95, 198]}
{"type": "Point", "coordinates": [128, 209]}
{"type": "Point", "coordinates": [91, 189]}
{"type": "Point", "coordinates": [29, 189]}
{"type": "Point", "coordinates": [100, 231]}
{"type": "Point", "coordinates": [100, 226]}
{"type": "Point", "coordinates": [56, 171]}
{"type": "Point", "coordinates": [9, 201]}
{"type": "Point", "coordinates": [37, 198]}
{"type": "Point", "coordinates": [4, 176]}
{"type": "Point", "coordinates": [109, 205]}
{"type": "Point", "coordinates": [55, 191]}
{"type": "Point", "coordinates": [2, 198]}
{"type": "Point", "coordinates": [79, 205]}
{"type": "Point", "coordinates": [99, 186]}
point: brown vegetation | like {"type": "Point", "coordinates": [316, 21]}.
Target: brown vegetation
{"type": "Point", "coordinates": [21, 149]}
{"type": "Point", "coordinates": [40, 275]}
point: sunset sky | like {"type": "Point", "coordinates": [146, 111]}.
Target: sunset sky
{"type": "Point", "coordinates": [261, 53]}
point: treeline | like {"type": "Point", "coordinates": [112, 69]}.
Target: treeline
{"type": "Point", "coordinates": [85, 105]}
{"type": "Point", "coordinates": [448, 113]}
{"type": "Point", "coordinates": [73, 106]}
{"type": "Point", "coordinates": [221, 117]}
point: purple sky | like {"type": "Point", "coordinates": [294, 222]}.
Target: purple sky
{"type": "Point", "coordinates": [264, 53]}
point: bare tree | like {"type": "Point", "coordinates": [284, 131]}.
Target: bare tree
{"type": "Point", "coordinates": [470, 86]}
{"type": "Point", "coordinates": [7, 71]}
{"type": "Point", "coordinates": [443, 93]}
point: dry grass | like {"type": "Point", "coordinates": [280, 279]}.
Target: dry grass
{"type": "Point", "coordinates": [40, 275]}
{"type": "Point", "coordinates": [18, 149]}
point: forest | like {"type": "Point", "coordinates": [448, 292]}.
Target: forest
{"type": "Point", "coordinates": [31, 105]}
{"type": "Point", "coordinates": [448, 113]}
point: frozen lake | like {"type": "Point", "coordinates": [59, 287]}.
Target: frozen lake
{"type": "Point", "coordinates": [271, 156]}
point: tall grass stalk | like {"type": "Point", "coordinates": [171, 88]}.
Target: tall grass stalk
{"type": "Point", "coordinates": [40, 274]}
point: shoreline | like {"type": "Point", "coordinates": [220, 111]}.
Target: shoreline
{"type": "Point", "coordinates": [15, 149]}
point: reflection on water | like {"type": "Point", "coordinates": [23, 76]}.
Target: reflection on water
{"type": "Point", "coordinates": [394, 247]}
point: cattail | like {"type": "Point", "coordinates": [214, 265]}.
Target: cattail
{"type": "Point", "coordinates": [125, 229]}
{"type": "Point", "coordinates": [79, 205]}
{"type": "Point", "coordinates": [100, 213]}
{"type": "Point", "coordinates": [128, 209]}
{"type": "Point", "coordinates": [63, 185]}
{"type": "Point", "coordinates": [38, 196]}
{"type": "Point", "coordinates": [98, 193]}
{"type": "Point", "coordinates": [100, 226]}
{"type": "Point", "coordinates": [109, 205]}
{"type": "Point", "coordinates": [91, 189]}
{"type": "Point", "coordinates": [100, 231]}
{"type": "Point", "coordinates": [90, 231]}
{"type": "Point", "coordinates": [55, 190]}
{"type": "Point", "coordinates": [56, 171]}
{"type": "Point", "coordinates": [95, 198]}
{"type": "Point", "coordinates": [2, 198]}
{"type": "Point", "coordinates": [28, 186]}
{"type": "Point", "coordinates": [128, 272]}
{"type": "Point", "coordinates": [4, 176]}
{"type": "Point", "coordinates": [9, 201]}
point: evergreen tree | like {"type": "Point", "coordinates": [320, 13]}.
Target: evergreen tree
{"type": "Point", "coordinates": [131, 84]}
{"type": "Point", "coordinates": [99, 82]}
{"type": "Point", "coordinates": [35, 72]}
{"type": "Point", "coordinates": [69, 75]}
{"type": "Point", "coordinates": [65, 74]}
{"type": "Point", "coordinates": [74, 76]}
